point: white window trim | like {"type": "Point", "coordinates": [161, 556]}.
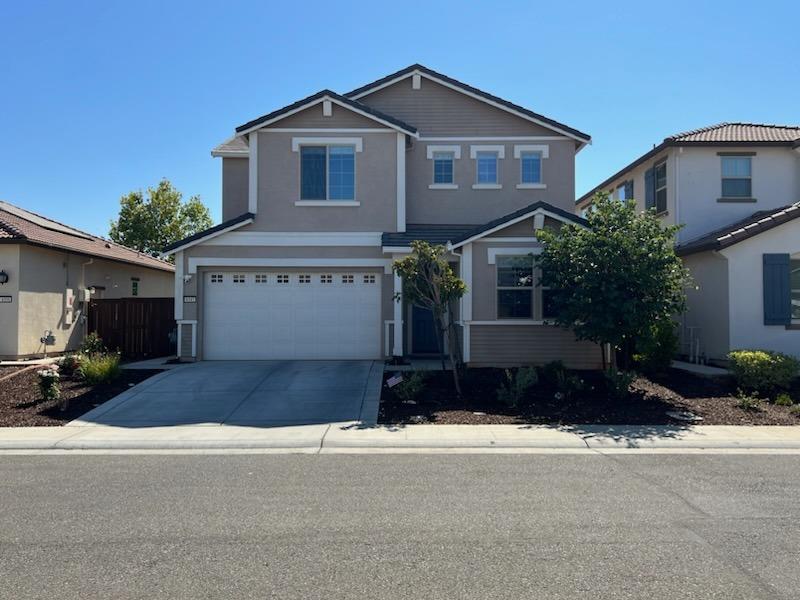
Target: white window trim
{"type": "Point", "coordinates": [531, 186]}
{"type": "Point", "coordinates": [500, 149]}
{"type": "Point", "coordinates": [487, 186]}
{"type": "Point", "coordinates": [297, 142]}
{"type": "Point", "coordinates": [442, 186]}
{"type": "Point", "coordinates": [493, 253]}
{"type": "Point", "coordinates": [544, 152]}
{"type": "Point", "coordinates": [542, 149]}
{"type": "Point", "coordinates": [455, 149]}
{"type": "Point", "coordinates": [331, 203]}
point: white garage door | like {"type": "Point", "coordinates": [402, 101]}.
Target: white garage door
{"type": "Point", "coordinates": [309, 315]}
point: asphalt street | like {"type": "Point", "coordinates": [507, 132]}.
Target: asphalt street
{"type": "Point", "coordinates": [400, 526]}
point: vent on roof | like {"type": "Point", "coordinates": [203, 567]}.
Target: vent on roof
{"type": "Point", "coordinates": [41, 221]}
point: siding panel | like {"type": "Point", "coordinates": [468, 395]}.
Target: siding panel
{"type": "Point", "coordinates": [507, 345]}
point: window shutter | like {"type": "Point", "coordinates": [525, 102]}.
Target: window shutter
{"type": "Point", "coordinates": [649, 188]}
{"type": "Point", "coordinates": [777, 297]}
{"type": "Point", "coordinates": [629, 189]}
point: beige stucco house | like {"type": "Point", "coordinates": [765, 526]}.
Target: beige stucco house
{"type": "Point", "coordinates": [319, 197]}
{"type": "Point", "coordinates": [48, 274]}
{"type": "Point", "coordinates": [735, 189]}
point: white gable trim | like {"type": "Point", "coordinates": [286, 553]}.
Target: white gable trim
{"type": "Point", "coordinates": [337, 103]}
{"type": "Point", "coordinates": [350, 263]}
{"type": "Point", "coordinates": [507, 109]}
{"type": "Point", "coordinates": [493, 253]}
{"type": "Point", "coordinates": [539, 212]}
{"type": "Point", "coordinates": [207, 237]}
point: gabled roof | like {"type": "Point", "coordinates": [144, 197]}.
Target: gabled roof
{"type": "Point", "coordinates": [20, 226]}
{"type": "Point", "coordinates": [209, 233]}
{"type": "Point", "coordinates": [757, 223]}
{"type": "Point", "coordinates": [319, 97]}
{"type": "Point", "coordinates": [721, 134]}
{"type": "Point", "coordinates": [417, 69]}
{"type": "Point", "coordinates": [235, 147]}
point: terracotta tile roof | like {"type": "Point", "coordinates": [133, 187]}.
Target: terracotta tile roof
{"type": "Point", "coordinates": [758, 222]}
{"type": "Point", "coordinates": [739, 132]}
{"type": "Point", "coordinates": [22, 226]}
{"type": "Point", "coordinates": [232, 146]}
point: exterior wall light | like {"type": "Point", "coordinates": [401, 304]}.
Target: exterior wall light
{"type": "Point", "coordinates": [3, 277]}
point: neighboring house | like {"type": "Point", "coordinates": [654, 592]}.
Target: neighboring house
{"type": "Point", "coordinates": [319, 197]}
{"type": "Point", "coordinates": [735, 188]}
{"type": "Point", "coordinates": [48, 274]}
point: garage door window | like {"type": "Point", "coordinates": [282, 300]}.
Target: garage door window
{"type": "Point", "coordinates": [261, 278]}
{"type": "Point", "coordinates": [283, 279]}
{"type": "Point", "coordinates": [238, 278]}
{"type": "Point", "coordinates": [304, 278]}
{"type": "Point", "coordinates": [326, 278]}
{"type": "Point", "coordinates": [369, 278]}
{"type": "Point", "coordinates": [347, 279]}
{"type": "Point", "coordinates": [216, 278]}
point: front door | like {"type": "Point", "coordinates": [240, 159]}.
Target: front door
{"type": "Point", "coordinates": [423, 331]}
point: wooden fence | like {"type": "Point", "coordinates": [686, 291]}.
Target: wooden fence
{"type": "Point", "coordinates": [137, 327]}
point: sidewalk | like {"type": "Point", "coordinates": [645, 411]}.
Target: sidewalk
{"type": "Point", "coordinates": [356, 438]}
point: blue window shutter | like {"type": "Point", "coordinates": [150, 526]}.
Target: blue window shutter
{"type": "Point", "coordinates": [650, 188]}
{"type": "Point", "coordinates": [777, 296]}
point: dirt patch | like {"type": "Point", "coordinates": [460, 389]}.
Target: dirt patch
{"type": "Point", "coordinates": [713, 399]}
{"type": "Point", "coordinates": [21, 404]}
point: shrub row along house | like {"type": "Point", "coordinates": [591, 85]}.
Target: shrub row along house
{"type": "Point", "coordinates": [49, 274]}
{"type": "Point", "coordinates": [735, 188]}
{"type": "Point", "coordinates": [319, 197]}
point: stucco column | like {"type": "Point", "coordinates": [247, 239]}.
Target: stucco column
{"type": "Point", "coordinates": [397, 347]}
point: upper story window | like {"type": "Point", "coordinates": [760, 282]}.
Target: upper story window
{"type": "Point", "coordinates": [737, 177]}
{"type": "Point", "coordinates": [515, 287]}
{"type": "Point", "coordinates": [487, 159]}
{"type": "Point", "coordinates": [623, 191]}
{"type": "Point", "coordinates": [443, 167]}
{"type": "Point", "coordinates": [487, 167]}
{"type": "Point", "coordinates": [531, 166]}
{"type": "Point", "coordinates": [327, 172]}
{"type": "Point", "coordinates": [655, 183]}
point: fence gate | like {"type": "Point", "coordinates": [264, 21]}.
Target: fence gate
{"type": "Point", "coordinates": [137, 327]}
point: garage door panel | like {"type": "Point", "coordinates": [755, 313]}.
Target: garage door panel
{"type": "Point", "coordinates": [309, 315]}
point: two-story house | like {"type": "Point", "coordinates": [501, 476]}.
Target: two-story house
{"type": "Point", "coordinates": [319, 197]}
{"type": "Point", "coordinates": [735, 189]}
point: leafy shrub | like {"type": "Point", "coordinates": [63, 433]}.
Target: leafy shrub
{"type": "Point", "coordinates": [48, 383]}
{"type": "Point", "coordinates": [566, 383]}
{"type": "Point", "coordinates": [618, 382]}
{"type": "Point", "coordinates": [411, 386]}
{"type": "Point", "coordinates": [99, 368]}
{"type": "Point", "coordinates": [516, 386]}
{"type": "Point", "coordinates": [69, 364]}
{"type": "Point", "coordinates": [763, 370]}
{"type": "Point", "coordinates": [92, 344]}
{"type": "Point", "coordinates": [748, 402]}
{"type": "Point", "coordinates": [795, 410]}
{"type": "Point", "coordinates": [655, 351]}
{"type": "Point", "coordinates": [784, 399]}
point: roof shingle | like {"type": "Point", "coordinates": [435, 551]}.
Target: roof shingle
{"type": "Point", "coordinates": [18, 225]}
{"type": "Point", "coordinates": [739, 132]}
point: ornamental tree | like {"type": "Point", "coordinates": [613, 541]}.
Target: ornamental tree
{"type": "Point", "coordinates": [430, 282]}
{"type": "Point", "coordinates": [148, 224]}
{"type": "Point", "coordinates": [613, 281]}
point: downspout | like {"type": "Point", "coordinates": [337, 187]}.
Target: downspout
{"type": "Point", "coordinates": [85, 309]}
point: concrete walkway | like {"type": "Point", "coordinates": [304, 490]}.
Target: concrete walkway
{"type": "Point", "coordinates": [354, 437]}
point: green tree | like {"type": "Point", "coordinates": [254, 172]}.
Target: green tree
{"type": "Point", "coordinates": [612, 281]}
{"type": "Point", "coordinates": [150, 223]}
{"type": "Point", "coordinates": [429, 282]}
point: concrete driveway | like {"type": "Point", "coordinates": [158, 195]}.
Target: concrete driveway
{"type": "Point", "coordinates": [249, 393]}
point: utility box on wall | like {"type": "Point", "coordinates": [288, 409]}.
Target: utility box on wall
{"type": "Point", "coordinates": [69, 306]}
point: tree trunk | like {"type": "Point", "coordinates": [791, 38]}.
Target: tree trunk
{"type": "Point", "coordinates": [437, 320]}
{"type": "Point", "coordinates": [454, 350]}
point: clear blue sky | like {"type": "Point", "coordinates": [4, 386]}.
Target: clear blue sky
{"type": "Point", "coordinates": [100, 98]}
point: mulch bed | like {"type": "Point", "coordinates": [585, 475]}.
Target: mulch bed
{"type": "Point", "coordinates": [22, 406]}
{"type": "Point", "coordinates": [713, 399]}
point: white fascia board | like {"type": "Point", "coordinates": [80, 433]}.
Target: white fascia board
{"type": "Point", "coordinates": [215, 261]}
{"type": "Point", "coordinates": [230, 153]}
{"type": "Point", "coordinates": [396, 249]}
{"type": "Point", "coordinates": [495, 138]}
{"type": "Point", "coordinates": [295, 238]}
{"type": "Point", "coordinates": [321, 141]}
{"type": "Point", "coordinates": [205, 239]}
{"type": "Point", "coordinates": [583, 141]}
{"type": "Point", "coordinates": [455, 149]}
{"type": "Point", "coordinates": [499, 148]}
{"type": "Point", "coordinates": [337, 103]}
